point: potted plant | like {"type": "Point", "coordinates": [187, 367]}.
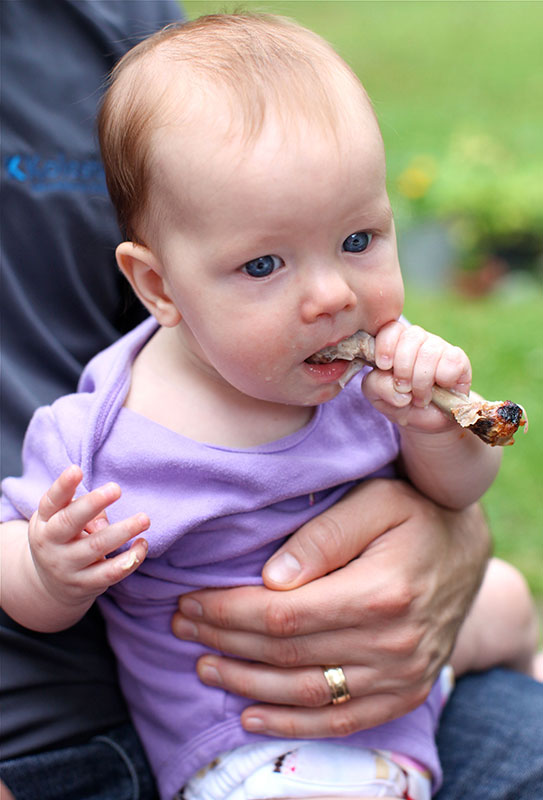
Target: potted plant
{"type": "Point", "coordinates": [489, 206]}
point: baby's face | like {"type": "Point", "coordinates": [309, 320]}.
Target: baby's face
{"type": "Point", "coordinates": [273, 250]}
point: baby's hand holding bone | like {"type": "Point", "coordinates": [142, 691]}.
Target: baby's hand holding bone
{"type": "Point", "coordinates": [493, 422]}
{"type": "Point", "coordinates": [409, 362]}
{"type": "Point", "coordinates": [415, 360]}
{"type": "Point", "coordinates": [69, 560]}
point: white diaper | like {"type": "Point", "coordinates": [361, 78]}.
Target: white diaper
{"type": "Point", "coordinates": [287, 769]}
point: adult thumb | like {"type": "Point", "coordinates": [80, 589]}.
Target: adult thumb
{"type": "Point", "coordinates": [326, 542]}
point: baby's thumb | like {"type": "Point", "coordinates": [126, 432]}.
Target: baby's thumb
{"type": "Point", "coordinates": [379, 388]}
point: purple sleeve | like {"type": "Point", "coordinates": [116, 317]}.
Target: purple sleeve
{"type": "Point", "coordinates": [51, 444]}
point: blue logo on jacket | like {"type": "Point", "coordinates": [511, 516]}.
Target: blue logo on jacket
{"type": "Point", "coordinates": [59, 172]}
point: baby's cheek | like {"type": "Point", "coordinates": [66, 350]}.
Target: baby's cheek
{"type": "Point", "coordinates": [272, 354]}
{"type": "Point", "coordinates": [250, 366]}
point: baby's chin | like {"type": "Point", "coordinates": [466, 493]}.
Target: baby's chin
{"type": "Point", "coordinates": [322, 395]}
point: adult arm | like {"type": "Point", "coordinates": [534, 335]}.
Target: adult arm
{"type": "Point", "coordinates": [378, 584]}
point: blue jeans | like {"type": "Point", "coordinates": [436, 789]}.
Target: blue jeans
{"type": "Point", "coordinates": [489, 741]}
{"type": "Point", "coordinates": [490, 738]}
{"type": "Point", "coordinates": [107, 767]}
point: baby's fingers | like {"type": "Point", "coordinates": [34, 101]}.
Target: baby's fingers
{"type": "Point", "coordinates": [63, 519]}
{"type": "Point", "coordinates": [96, 524]}
{"type": "Point", "coordinates": [104, 574]}
{"type": "Point", "coordinates": [386, 341]}
{"type": "Point", "coordinates": [99, 544]}
{"type": "Point", "coordinates": [60, 493]}
{"type": "Point", "coordinates": [379, 388]}
{"type": "Point", "coordinates": [405, 356]}
{"type": "Point", "coordinates": [425, 369]}
{"type": "Point", "coordinates": [454, 370]}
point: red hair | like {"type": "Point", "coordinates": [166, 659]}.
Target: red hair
{"type": "Point", "coordinates": [257, 58]}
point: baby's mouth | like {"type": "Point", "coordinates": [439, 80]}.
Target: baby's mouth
{"type": "Point", "coordinates": [359, 349]}
{"type": "Point", "coordinates": [321, 357]}
{"type": "Point", "coordinates": [358, 346]}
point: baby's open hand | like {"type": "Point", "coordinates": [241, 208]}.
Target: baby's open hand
{"type": "Point", "coordinates": [70, 539]}
{"type": "Point", "coordinates": [409, 362]}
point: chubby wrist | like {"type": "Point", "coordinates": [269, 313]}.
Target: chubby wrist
{"type": "Point", "coordinates": [449, 436]}
{"type": "Point", "coordinates": [33, 603]}
{"type": "Point", "coordinates": [451, 466]}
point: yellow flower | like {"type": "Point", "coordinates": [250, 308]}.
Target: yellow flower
{"type": "Point", "coordinates": [417, 178]}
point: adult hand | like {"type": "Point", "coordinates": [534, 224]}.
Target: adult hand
{"type": "Point", "coordinates": [379, 584]}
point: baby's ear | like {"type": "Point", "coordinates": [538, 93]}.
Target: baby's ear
{"type": "Point", "coordinates": [145, 274]}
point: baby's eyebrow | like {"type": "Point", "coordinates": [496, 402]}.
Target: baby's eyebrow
{"type": "Point", "coordinates": [386, 212]}
{"type": "Point", "coordinates": [379, 214]}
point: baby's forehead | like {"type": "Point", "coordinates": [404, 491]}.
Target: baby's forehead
{"type": "Point", "coordinates": [201, 108]}
{"type": "Point", "coordinates": [179, 91]}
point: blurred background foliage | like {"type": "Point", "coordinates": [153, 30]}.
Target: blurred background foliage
{"type": "Point", "coordinates": [458, 90]}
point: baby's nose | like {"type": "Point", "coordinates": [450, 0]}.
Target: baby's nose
{"type": "Point", "coordinates": [327, 295]}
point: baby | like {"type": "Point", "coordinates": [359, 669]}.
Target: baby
{"type": "Point", "coordinates": [247, 168]}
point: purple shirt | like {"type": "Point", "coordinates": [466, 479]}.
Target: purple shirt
{"type": "Point", "coordinates": [217, 514]}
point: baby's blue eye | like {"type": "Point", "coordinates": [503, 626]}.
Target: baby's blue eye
{"type": "Point", "coordinates": [262, 267]}
{"type": "Point", "coordinates": [357, 242]}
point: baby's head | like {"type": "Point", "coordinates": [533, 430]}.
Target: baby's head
{"type": "Point", "coordinates": [226, 74]}
{"type": "Point", "coordinates": [247, 168]}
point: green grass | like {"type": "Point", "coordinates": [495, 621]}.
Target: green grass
{"type": "Point", "coordinates": [434, 70]}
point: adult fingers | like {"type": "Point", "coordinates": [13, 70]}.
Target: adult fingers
{"type": "Point", "coordinates": [339, 645]}
{"type": "Point", "coordinates": [334, 538]}
{"type": "Point", "coordinates": [299, 686]}
{"type": "Point", "coordinates": [337, 601]}
{"type": "Point", "coordinates": [328, 721]}
{"type": "Point", "coordinates": [307, 608]}
{"type": "Point", "coordinates": [228, 617]}
{"type": "Point", "coordinates": [359, 627]}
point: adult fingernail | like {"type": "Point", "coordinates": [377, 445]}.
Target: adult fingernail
{"type": "Point", "coordinates": [209, 675]}
{"type": "Point", "coordinates": [254, 724]}
{"type": "Point", "coordinates": [185, 629]}
{"type": "Point", "coordinates": [191, 607]}
{"type": "Point", "coordinates": [283, 569]}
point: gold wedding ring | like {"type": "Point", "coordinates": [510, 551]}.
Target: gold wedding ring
{"type": "Point", "coordinates": [335, 678]}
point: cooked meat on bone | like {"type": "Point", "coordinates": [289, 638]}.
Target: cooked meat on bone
{"type": "Point", "coordinates": [493, 422]}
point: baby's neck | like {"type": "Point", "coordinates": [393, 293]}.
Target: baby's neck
{"type": "Point", "coordinates": [204, 410]}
